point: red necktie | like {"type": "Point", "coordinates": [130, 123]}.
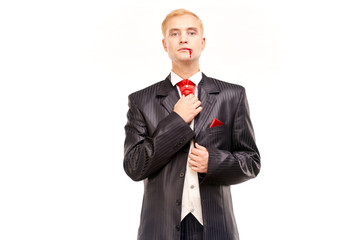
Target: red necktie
{"type": "Point", "coordinates": [186, 87]}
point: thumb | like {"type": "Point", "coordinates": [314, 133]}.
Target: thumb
{"type": "Point", "coordinates": [199, 146]}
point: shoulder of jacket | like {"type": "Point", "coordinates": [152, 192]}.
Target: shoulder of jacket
{"type": "Point", "coordinates": [223, 85]}
{"type": "Point", "coordinates": [145, 92]}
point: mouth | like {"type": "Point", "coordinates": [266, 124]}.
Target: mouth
{"type": "Point", "coordinates": [185, 49]}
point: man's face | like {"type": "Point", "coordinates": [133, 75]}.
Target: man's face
{"type": "Point", "coordinates": [183, 40]}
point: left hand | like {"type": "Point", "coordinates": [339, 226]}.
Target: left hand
{"type": "Point", "coordinates": [199, 159]}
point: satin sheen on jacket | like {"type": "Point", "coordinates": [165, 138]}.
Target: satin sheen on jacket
{"type": "Point", "coordinates": [156, 147]}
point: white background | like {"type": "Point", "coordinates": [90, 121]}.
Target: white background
{"type": "Point", "coordinates": [66, 68]}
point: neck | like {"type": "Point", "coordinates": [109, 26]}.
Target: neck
{"type": "Point", "coordinates": [185, 70]}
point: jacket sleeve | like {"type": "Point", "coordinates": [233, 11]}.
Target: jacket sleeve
{"type": "Point", "coordinates": [145, 154]}
{"type": "Point", "coordinates": [243, 161]}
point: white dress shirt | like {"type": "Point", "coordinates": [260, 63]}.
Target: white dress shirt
{"type": "Point", "coordinates": [191, 202]}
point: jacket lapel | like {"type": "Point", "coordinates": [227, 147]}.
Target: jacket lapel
{"type": "Point", "coordinates": [168, 93]}
{"type": "Point", "coordinates": [207, 95]}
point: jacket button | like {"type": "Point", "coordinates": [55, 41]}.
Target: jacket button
{"type": "Point", "coordinates": [178, 202]}
{"type": "Point", "coordinates": [178, 227]}
{"type": "Point", "coordinates": [182, 174]}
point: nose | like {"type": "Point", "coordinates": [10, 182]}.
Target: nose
{"type": "Point", "coordinates": [183, 38]}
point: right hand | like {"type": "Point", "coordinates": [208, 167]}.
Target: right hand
{"type": "Point", "coordinates": [188, 107]}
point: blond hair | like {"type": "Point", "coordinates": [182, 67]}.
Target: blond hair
{"type": "Point", "coordinates": [179, 12]}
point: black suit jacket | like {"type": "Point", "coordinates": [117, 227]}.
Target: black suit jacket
{"type": "Point", "coordinates": [156, 148]}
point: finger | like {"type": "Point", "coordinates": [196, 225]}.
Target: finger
{"type": "Point", "coordinates": [193, 98]}
{"type": "Point", "coordinates": [197, 104]}
{"type": "Point", "coordinates": [199, 170]}
{"type": "Point", "coordinates": [198, 146]}
{"type": "Point", "coordinates": [194, 157]}
{"type": "Point", "coordinates": [192, 162]}
{"type": "Point", "coordinates": [189, 96]}
{"type": "Point", "coordinates": [196, 151]}
{"type": "Point", "coordinates": [199, 151]}
{"type": "Point", "coordinates": [197, 111]}
{"type": "Point", "coordinates": [195, 169]}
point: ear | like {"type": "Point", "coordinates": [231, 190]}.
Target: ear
{"type": "Point", "coordinates": [203, 44]}
{"type": "Point", "coordinates": [164, 45]}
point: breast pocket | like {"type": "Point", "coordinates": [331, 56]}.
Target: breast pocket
{"type": "Point", "coordinates": [218, 137]}
{"type": "Point", "coordinates": [215, 129]}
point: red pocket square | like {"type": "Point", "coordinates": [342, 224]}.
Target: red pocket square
{"type": "Point", "coordinates": [216, 123]}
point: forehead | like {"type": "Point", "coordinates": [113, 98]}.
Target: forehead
{"type": "Point", "coordinates": [182, 22]}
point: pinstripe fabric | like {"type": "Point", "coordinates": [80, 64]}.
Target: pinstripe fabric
{"type": "Point", "coordinates": [156, 146]}
{"type": "Point", "coordinates": [191, 229]}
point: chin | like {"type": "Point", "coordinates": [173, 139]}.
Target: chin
{"type": "Point", "coordinates": [184, 59]}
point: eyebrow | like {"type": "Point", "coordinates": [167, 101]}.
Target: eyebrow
{"type": "Point", "coordinates": [189, 28]}
{"type": "Point", "coordinates": [193, 28]}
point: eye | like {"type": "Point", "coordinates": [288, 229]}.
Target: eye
{"type": "Point", "coordinates": [192, 33]}
{"type": "Point", "coordinates": [174, 34]}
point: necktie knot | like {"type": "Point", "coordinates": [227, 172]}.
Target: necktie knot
{"type": "Point", "coordinates": [186, 87]}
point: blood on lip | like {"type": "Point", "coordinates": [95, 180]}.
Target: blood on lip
{"type": "Point", "coordinates": [188, 49]}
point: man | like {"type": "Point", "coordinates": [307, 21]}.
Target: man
{"type": "Point", "coordinates": [189, 140]}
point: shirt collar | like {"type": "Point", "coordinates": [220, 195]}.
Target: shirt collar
{"type": "Point", "coordinates": [196, 78]}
